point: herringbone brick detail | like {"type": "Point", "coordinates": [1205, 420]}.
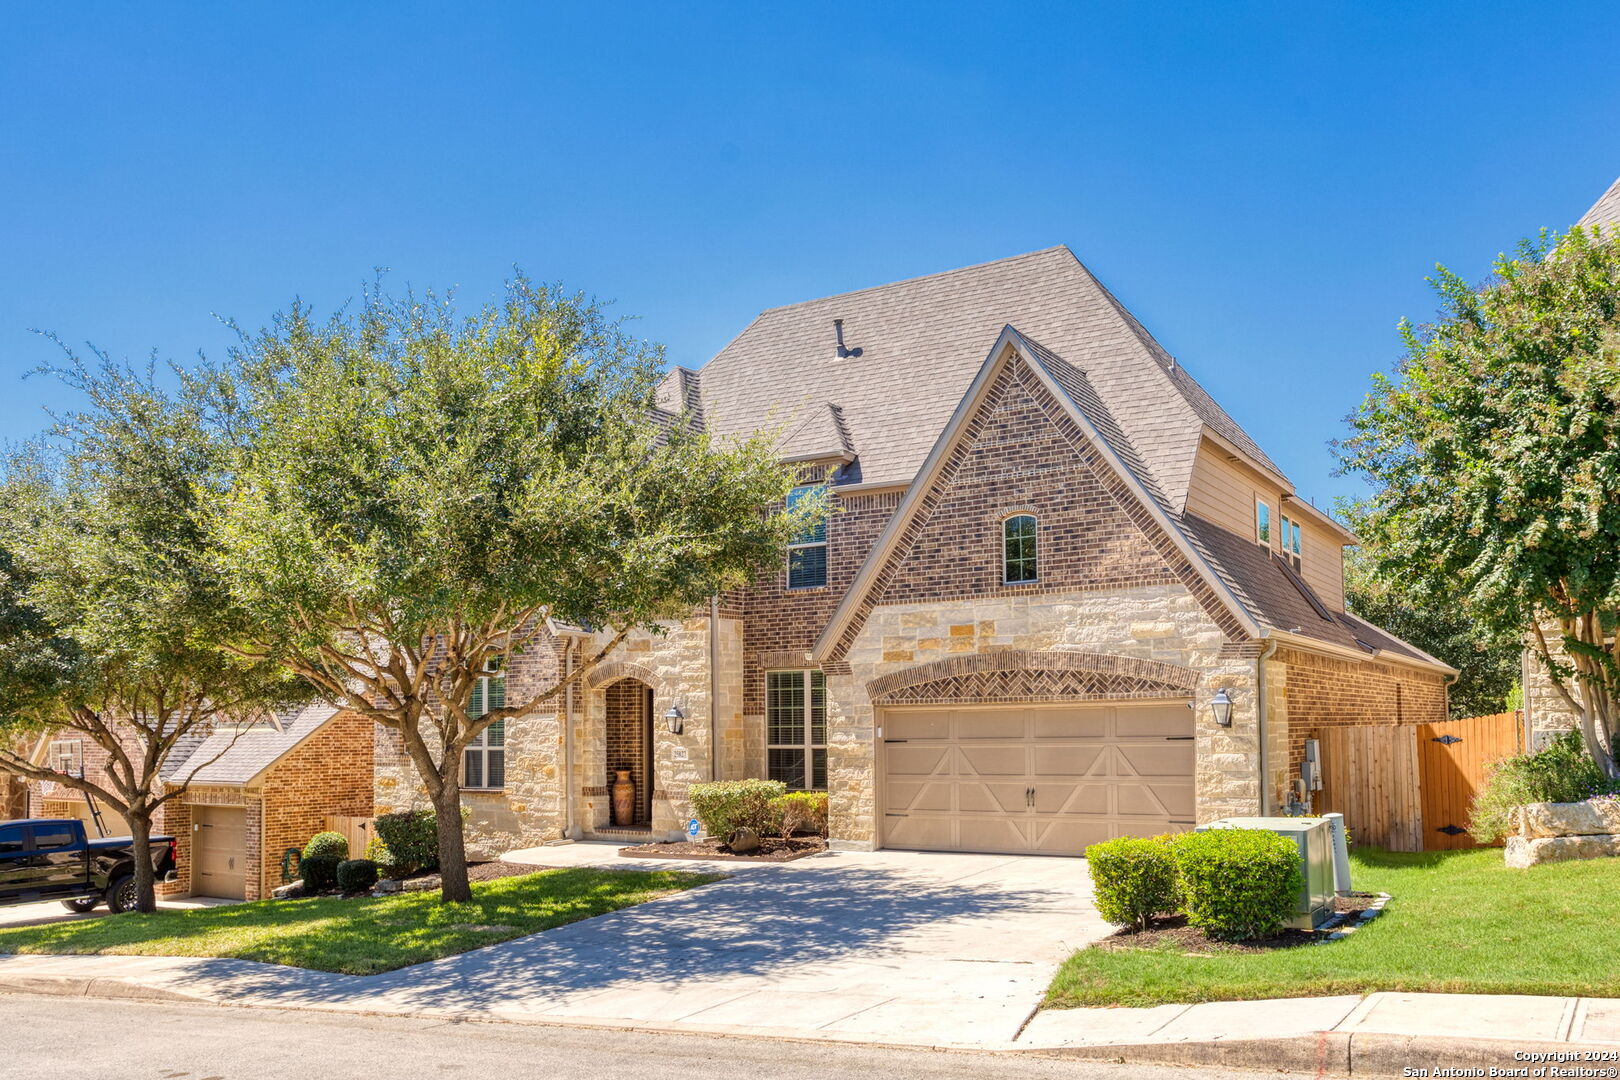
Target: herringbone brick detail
{"type": "Point", "coordinates": [987, 687]}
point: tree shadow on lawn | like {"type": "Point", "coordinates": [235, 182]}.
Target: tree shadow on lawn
{"type": "Point", "coordinates": [748, 925]}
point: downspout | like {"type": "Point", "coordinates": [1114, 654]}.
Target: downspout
{"type": "Point", "coordinates": [714, 686]}
{"type": "Point", "coordinates": [1262, 727]}
{"type": "Point", "coordinates": [569, 645]}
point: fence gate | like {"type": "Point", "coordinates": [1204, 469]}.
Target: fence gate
{"type": "Point", "coordinates": [1370, 775]}
{"type": "Point", "coordinates": [356, 830]}
{"type": "Point", "coordinates": [1453, 759]}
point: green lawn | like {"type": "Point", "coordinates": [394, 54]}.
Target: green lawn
{"type": "Point", "coordinates": [362, 936]}
{"type": "Point", "coordinates": [1460, 922]}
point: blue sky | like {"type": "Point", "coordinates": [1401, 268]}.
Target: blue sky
{"type": "Point", "coordinates": [1265, 185]}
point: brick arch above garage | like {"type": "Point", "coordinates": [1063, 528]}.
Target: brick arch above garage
{"type": "Point", "coordinates": [1030, 676]}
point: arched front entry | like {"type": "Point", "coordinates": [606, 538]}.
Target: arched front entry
{"type": "Point", "coordinates": [1033, 752]}
{"type": "Point", "coordinates": [629, 746]}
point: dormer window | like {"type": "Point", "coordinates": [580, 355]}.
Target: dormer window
{"type": "Point", "coordinates": [1288, 534]}
{"type": "Point", "coordinates": [807, 554]}
{"type": "Point", "coordinates": [1018, 550]}
{"type": "Point", "coordinates": [1262, 524]}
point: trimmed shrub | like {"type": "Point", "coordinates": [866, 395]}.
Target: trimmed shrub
{"type": "Point", "coordinates": [738, 804]}
{"type": "Point", "coordinates": [1238, 884]}
{"type": "Point", "coordinates": [412, 839]}
{"type": "Point", "coordinates": [1561, 771]}
{"type": "Point", "coordinates": [1134, 878]}
{"type": "Point", "coordinates": [319, 872]}
{"type": "Point", "coordinates": [377, 852]}
{"type": "Point", "coordinates": [357, 875]}
{"type": "Point", "coordinates": [803, 812]}
{"type": "Point", "coordinates": [327, 843]}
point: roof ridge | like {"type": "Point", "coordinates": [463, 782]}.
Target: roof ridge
{"type": "Point", "coordinates": [919, 277]}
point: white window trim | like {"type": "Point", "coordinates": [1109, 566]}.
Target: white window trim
{"type": "Point", "coordinates": [787, 568]}
{"type": "Point", "coordinates": [1005, 564]}
{"type": "Point", "coordinates": [479, 747]}
{"type": "Point", "coordinates": [808, 745]}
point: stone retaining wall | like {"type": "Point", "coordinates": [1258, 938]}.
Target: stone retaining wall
{"type": "Point", "coordinates": [1556, 832]}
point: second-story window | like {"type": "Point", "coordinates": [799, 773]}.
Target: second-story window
{"type": "Point", "coordinates": [1262, 523]}
{"type": "Point", "coordinates": [1018, 549]}
{"type": "Point", "coordinates": [484, 764]}
{"type": "Point", "coordinates": [1288, 535]}
{"type": "Point", "coordinates": [807, 554]}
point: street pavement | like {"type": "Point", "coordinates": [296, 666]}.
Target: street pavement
{"type": "Point", "coordinates": [90, 1039]}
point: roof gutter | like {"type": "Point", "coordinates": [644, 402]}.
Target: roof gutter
{"type": "Point", "coordinates": [1343, 652]}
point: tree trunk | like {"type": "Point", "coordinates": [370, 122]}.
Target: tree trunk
{"type": "Point", "coordinates": [454, 887]}
{"type": "Point", "coordinates": [140, 834]}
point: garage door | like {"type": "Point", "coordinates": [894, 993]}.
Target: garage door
{"type": "Point", "coordinates": [1036, 780]}
{"type": "Point", "coordinates": [218, 852]}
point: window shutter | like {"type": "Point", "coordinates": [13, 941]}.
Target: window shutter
{"type": "Point", "coordinates": [475, 707]}
{"type": "Point", "coordinates": [497, 693]}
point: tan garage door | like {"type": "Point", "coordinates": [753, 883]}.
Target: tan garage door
{"type": "Point", "coordinates": [1045, 780]}
{"type": "Point", "coordinates": [218, 852]}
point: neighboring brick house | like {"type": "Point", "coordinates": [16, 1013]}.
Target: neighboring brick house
{"type": "Point", "coordinates": [252, 793]}
{"type": "Point", "coordinates": [1052, 559]}
{"type": "Point", "coordinates": [1546, 713]}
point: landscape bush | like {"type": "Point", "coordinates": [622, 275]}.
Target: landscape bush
{"type": "Point", "coordinates": [319, 872]}
{"type": "Point", "coordinates": [803, 812]}
{"type": "Point", "coordinates": [412, 840]}
{"type": "Point", "coordinates": [377, 852]}
{"type": "Point", "coordinates": [357, 875]}
{"type": "Point", "coordinates": [1238, 884]}
{"type": "Point", "coordinates": [1562, 771]}
{"type": "Point", "coordinates": [1134, 878]}
{"type": "Point", "coordinates": [327, 843]}
{"type": "Point", "coordinates": [738, 804]}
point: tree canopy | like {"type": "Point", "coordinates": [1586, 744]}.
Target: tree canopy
{"type": "Point", "coordinates": [414, 493]}
{"type": "Point", "coordinates": [112, 612]}
{"type": "Point", "coordinates": [1495, 450]}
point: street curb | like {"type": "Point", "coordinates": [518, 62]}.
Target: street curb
{"type": "Point", "coordinates": [1330, 1053]}
{"type": "Point", "coordinates": [100, 986]}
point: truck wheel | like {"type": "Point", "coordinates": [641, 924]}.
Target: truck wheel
{"type": "Point", "coordinates": [82, 904]}
{"type": "Point", "coordinates": [121, 895]}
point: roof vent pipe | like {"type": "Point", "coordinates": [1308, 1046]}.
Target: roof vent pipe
{"type": "Point", "coordinates": [838, 331]}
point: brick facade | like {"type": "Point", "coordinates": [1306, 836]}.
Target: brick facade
{"type": "Point", "coordinates": [1320, 691]}
{"type": "Point", "coordinates": [329, 773]}
{"type": "Point", "coordinates": [628, 705]}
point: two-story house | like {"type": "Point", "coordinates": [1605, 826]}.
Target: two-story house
{"type": "Point", "coordinates": [1060, 596]}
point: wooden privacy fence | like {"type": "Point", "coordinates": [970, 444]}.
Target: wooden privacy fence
{"type": "Point", "coordinates": [356, 830]}
{"type": "Point", "coordinates": [1408, 787]}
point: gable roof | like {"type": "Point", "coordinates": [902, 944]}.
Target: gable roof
{"type": "Point", "coordinates": [915, 347]}
{"type": "Point", "coordinates": [1606, 211]}
{"type": "Point", "coordinates": [1264, 597]}
{"type": "Point", "coordinates": [235, 758]}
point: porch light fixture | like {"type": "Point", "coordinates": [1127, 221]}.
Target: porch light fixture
{"type": "Point", "coordinates": [673, 718]}
{"type": "Point", "coordinates": [1221, 706]}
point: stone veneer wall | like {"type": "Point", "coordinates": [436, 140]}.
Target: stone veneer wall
{"type": "Point", "coordinates": [1545, 710]}
{"type": "Point", "coordinates": [1165, 623]}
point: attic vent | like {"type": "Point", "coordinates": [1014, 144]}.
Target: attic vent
{"type": "Point", "coordinates": [838, 333]}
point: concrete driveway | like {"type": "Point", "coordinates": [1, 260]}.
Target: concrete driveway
{"type": "Point", "coordinates": [933, 949]}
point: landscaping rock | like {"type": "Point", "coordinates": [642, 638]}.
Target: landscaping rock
{"type": "Point", "coordinates": [386, 886]}
{"type": "Point", "coordinates": [1569, 819]}
{"type": "Point", "coordinates": [288, 891]}
{"type": "Point", "coordinates": [1523, 852]}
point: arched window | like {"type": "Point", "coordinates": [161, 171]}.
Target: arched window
{"type": "Point", "coordinates": [1018, 549]}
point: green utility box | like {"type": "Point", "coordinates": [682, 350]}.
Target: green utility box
{"type": "Point", "coordinates": [1315, 839]}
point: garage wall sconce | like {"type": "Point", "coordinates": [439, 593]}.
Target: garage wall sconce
{"type": "Point", "coordinates": [674, 718]}
{"type": "Point", "coordinates": [1221, 705]}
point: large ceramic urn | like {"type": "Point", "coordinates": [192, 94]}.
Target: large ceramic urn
{"type": "Point", "coordinates": [624, 798]}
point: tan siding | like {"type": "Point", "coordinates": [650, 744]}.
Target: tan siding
{"type": "Point", "coordinates": [1321, 562]}
{"type": "Point", "coordinates": [1223, 491]}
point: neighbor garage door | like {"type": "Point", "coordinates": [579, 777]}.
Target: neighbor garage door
{"type": "Point", "coordinates": [218, 852]}
{"type": "Point", "coordinates": [1044, 780]}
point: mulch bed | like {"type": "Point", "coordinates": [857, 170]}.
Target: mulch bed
{"type": "Point", "coordinates": [478, 871]}
{"type": "Point", "coordinates": [771, 849]}
{"type": "Point", "coordinates": [1173, 932]}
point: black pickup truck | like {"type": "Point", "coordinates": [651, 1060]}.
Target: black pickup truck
{"type": "Point", "coordinates": [51, 859]}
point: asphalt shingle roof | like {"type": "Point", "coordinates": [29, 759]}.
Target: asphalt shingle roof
{"type": "Point", "coordinates": [232, 757]}
{"type": "Point", "coordinates": [1606, 211]}
{"type": "Point", "coordinates": [916, 345]}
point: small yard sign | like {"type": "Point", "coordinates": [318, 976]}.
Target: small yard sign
{"type": "Point", "coordinates": [692, 828]}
